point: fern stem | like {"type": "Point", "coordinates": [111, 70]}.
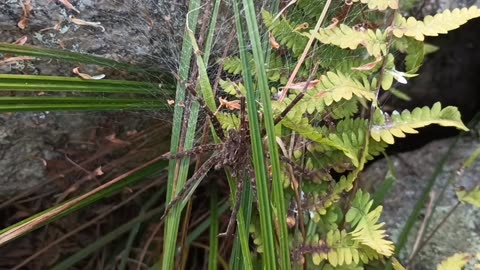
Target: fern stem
{"type": "Point", "coordinates": [305, 51]}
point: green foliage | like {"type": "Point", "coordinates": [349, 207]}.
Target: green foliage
{"type": "Point", "coordinates": [285, 33]}
{"type": "Point", "coordinates": [433, 25]}
{"type": "Point", "coordinates": [355, 64]}
{"type": "Point", "coordinates": [455, 262]}
{"type": "Point", "coordinates": [380, 4]}
{"type": "Point", "coordinates": [367, 231]}
{"type": "Point", "coordinates": [329, 135]}
{"type": "Point", "coordinates": [386, 127]}
{"type": "Point", "coordinates": [345, 37]}
{"type": "Point", "coordinates": [350, 249]}
{"type": "Point", "coordinates": [472, 197]}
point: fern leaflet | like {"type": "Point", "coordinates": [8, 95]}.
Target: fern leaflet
{"type": "Point", "coordinates": [380, 4]}
{"type": "Point", "coordinates": [386, 127]}
{"type": "Point", "coordinates": [367, 231]}
{"type": "Point", "coordinates": [344, 37]}
{"type": "Point", "coordinates": [455, 262]}
{"type": "Point", "coordinates": [441, 23]}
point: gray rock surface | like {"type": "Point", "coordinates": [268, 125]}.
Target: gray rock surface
{"type": "Point", "coordinates": [461, 231]}
{"type": "Point", "coordinates": [137, 32]}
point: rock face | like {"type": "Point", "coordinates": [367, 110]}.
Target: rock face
{"type": "Point", "coordinates": [137, 32]}
{"type": "Point", "coordinates": [413, 170]}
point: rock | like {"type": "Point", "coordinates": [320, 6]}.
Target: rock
{"type": "Point", "coordinates": [413, 170]}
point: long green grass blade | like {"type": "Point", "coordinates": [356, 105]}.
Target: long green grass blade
{"type": "Point", "coordinates": [277, 186]}
{"type": "Point", "coordinates": [68, 56]}
{"type": "Point", "coordinates": [20, 104]}
{"type": "Point", "coordinates": [55, 83]}
{"type": "Point", "coordinates": [259, 162]}
{"type": "Point", "coordinates": [176, 179]}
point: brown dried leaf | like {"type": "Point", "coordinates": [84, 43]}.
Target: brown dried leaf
{"type": "Point", "coordinates": [273, 43]}
{"type": "Point", "coordinates": [56, 27]}
{"type": "Point", "coordinates": [68, 5]}
{"type": "Point", "coordinates": [98, 171]}
{"type": "Point", "coordinates": [231, 105]}
{"type": "Point", "coordinates": [21, 40]}
{"type": "Point", "coordinates": [113, 139]}
{"type": "Point", "coordinates": [22, 24]}
{"type": "Point", "coordinates": [369, 66]}
{"type": "Point", "coordinates": [302, 26]}
{"type": "Point", "coordinates": [27, 8]}
{"type": "Point", "coordinates": [86, 76]}
{"type": "Point", "coordinates": [87, 23]}
{"type": "Point", "coordinates": [303, 85]}
{"type": "Point", "coordinates": [12, 60]}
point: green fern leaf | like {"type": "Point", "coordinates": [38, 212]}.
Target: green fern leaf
{"type": "Point", "coordinates": [367, 231]}
{"type": "Point", "coordinates": [344, 37]}
{"type": "Point", "coordinates": [472, 197]}
{"type": "Point", "coordinates": [380, 4]}
{"type": "Point", "coordinates": [455, 262]}
{"type": "Point", "coordinates": [338, 248]}
{"type": "Point", "coordinates": [333, 87]}
{"type": "Point", "coordinates": [285, 33]}
{"type": "Point", "coordinates": [386, 127]}
{"type": "Point", "coordinates": [441, 23]}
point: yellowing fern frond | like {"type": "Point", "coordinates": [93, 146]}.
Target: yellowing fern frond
{"type": "Point", "coordinates": [380, 4]}
{"type": "Point", "coordinates": [441, 23]}
{"type": "Point", "coordinates": [338, 249]}
{"type": "Point", "coordinates": [367, 231]}
{"type": "Point", "coordinates": [333, 87]}
{"type": "Point", "coordinates": [455, 262]}
{"type": "Point", "coordinates": [344, 37]}
{"type": "Point", "coordinates": [386, 127]}
{"type": "Point", "coordinates": [472, 197]}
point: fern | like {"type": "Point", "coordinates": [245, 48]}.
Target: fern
{"type": "Point", "coordinates": [433, 25]}
{"type": "Point", "coordinates": [472, 197]}
{"type": "Point", "coordinates": [344, 37]}
{"type": "Point", "coordinates": [285, 33]}
{"type": "Point", "coordinates": [386, 127]}
{"type": "Point", "coordinates": [367, 231]}
{"type": "Point", "coordinates": [333, 87]}
{"type": "Point", "coordinates": [455, 262]}
{"type": "Point", "coordinates": [380, 4]}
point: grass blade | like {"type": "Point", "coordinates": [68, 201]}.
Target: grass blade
{"type": "Point", "coordinates": [55, 83]}
{"type": "Point", "coordinates": [259, 163]}
{"type": "Point", "coordinates": [278, 196]}
{"type": "Point", "coordinates": [68, 56]}
{"type": "Point", "coordinates": [176, 179]}
{"type": "Point", "coordinates": [88, 198]}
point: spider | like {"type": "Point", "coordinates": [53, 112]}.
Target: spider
{"type": "Point", "coordinates": [234, 153]}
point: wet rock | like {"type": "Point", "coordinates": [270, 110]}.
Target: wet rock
{"type": "Point", "coordinates": [413, 170]}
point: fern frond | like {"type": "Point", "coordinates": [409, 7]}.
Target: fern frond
{"type": "Point", "coordinates": [338, 249]}
{"type": "Point", "coordinates": [285, 33]}
{"type": "Point", "coordinates": [367, 231]}
{"type": "Point", "coordinates": [455, 262]}
{"type": "Point", "coordinates": [472, 197]}
{"type": "Point", "coordinates": [380, 4]}
{"type": "Point", "coordinates": [333, 87]}
{"type": "Point", "coordinates": [344, 37]}
{"type": "Point", "coordinates": [398, 124]}
{"type": "Point", "coordinates": [441, 23]}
